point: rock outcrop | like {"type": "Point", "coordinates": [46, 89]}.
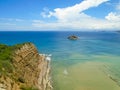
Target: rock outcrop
{"type": "Point", "coordinates": [73, 37]}
{"type": "Point", "coordinates": [31, 71]}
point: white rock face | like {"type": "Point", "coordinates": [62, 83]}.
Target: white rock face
{"type": "Point", "coordinates": [2, 87]}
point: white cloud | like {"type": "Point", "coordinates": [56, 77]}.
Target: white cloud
{"type": "Point", "coordinates": [118, 6]}
{"type": "Point", "coordinates": [73, 12]}
{"type": "Point", "coordinates": [8, 24]}
{"type": "Point", "coordinates": [6, 19]}
{"type": "Point", "coordinates": [37, 21]}
{"type": "Point", "coordinates": [74, 18]}
{"type": "Point", "coordinates": [45, 13]}
{"type": "Point", "coordinates": [85, 24]}
{"type": "Point", "coordinates": [68, 18]}
{"type": "Point", "coordinates": [11, 19]}
{"type": "Point", "coordinates": [18, 20]}
{"type": "Point", "coordinates": [113, 16]}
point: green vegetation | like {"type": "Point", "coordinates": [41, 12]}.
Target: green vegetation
{"type": "Point", "coordinates": [5, 59]}
{"type": "Point", "coordinates": [7, 68]}
{"type": "Point", "coordinates": [6, 52]}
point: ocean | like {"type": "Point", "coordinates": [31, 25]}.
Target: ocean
{"type": "Point", "coordinates": [90, 63]}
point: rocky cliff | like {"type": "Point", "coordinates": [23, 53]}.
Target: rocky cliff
{"type": "Point", "coordinates": [31, 70]}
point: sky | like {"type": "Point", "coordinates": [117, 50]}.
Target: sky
{"type": "Point", "coordinates": [59, 15]}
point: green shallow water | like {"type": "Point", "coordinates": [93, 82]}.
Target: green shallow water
{"type": "Point", "coordinates": [89, 72]}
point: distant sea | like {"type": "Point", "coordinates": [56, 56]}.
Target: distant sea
{"type": "Point", "coordinates": [92, 53]}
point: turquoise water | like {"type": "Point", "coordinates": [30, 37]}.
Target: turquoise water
{"type": "Point", "coordinates": [102, 47]}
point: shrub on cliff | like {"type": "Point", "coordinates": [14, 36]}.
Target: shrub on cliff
{"type": "Point", "coordinates": [5, 59]}
{"type": "Point", "coordinates": [6, 53]}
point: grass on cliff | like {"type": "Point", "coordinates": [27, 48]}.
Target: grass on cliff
{"type": "Point", "coordinates": [6, 53]}
{"type": "Point", "coordinates": [5, 59]}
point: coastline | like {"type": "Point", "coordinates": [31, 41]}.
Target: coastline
{"type": "Point", "coordinates": [44, 80]}
{"type": "Point", "coordinates": [31, 71]}
{"type": "Point", "coordinates": [89, 48]}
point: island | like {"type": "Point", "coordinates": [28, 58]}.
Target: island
{"type": "Point", "coordinates": [23, 68]}
{"type": "Point", "coordinates": [73, 37]}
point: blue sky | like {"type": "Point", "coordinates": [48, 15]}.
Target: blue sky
{"type": "Point", "coordinates": [59, 15]}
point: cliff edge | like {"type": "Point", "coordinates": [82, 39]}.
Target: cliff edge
{"type": "Point", "coordinates": [30, 70]}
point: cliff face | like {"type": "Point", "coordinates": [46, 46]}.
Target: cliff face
{"type": "Point", "coordinates": [31, 71]}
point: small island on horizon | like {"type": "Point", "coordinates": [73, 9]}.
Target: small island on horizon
{"type": "Point", "coordinates": [73, 37]}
